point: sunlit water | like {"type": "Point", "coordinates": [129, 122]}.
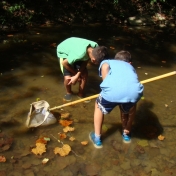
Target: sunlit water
{"type": "Point", "coordinates": [30, 71]}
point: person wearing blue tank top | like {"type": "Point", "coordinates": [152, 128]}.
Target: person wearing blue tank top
{"type": "Point", "coordinates": [120, 87]}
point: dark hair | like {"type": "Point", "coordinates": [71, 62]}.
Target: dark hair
{"type": "Point", "coordinates": [100, 53]}
{"type": "Point", "coordinates": [123, 55]}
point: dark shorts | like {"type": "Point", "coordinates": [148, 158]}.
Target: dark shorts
{"type": "Point", "coordinates": [75, 65]}
{"type": "Point", "coordinates": [106, 106]}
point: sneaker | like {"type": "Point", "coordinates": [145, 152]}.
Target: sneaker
{"type": "Point", "coordinates": [126, 138]}
{"type": "Point", "coordinates": [67, 97]}
{"type": "Point", "coordinates": [86, 101]}
{"type": "Point", "coordinates": [96, 143]}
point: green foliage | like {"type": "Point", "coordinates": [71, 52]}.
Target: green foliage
{"type": "Point", "coordinates": [25, 12]}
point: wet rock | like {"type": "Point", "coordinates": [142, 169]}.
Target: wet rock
{"type": "Point", "coordinates": [26, 166]}
{"type": "Point", "coordinates": [111, 173]}
{"type": "Point", "coordinates": [139, 149]}
{"type": "Point", "coordinates": [165, 151]}
{"type": "Point", "coordinates": [2, 173]}
{"type": "Point", "coordinates": [116, 146]}
{"type": "Point", "coordinates": [29, 173]}
{"type": "Point", "coordinates": [126, 165]}
{"type": "Point", "coordinates": [15, 173]}
{"type": "Point", "coordinates": [155, 172]}
{"type": "Point", "coordinates": [135, 162]}
{"type": "Point", "coordinates": [92, 169]}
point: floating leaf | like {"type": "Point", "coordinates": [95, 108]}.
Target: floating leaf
{"type": "Point", "coordinates": [104, 128]}
{"type": "Point", "coordinates": [40, 149]}
{"type": "Point", "coordinates": [37, 99]}
{"type": "Point", "coordinates": [68, 128]}
{"type": "Point", "coordinates": [47, 138]}
{"type": "Point", "coordinates": [65, 115]}
{"type": "Point", "coordinates": [2, 159]}
{"type": "Point", "coordinates": [143, 143]}
{"type": "Point", "coordinates": [84, 142]}
{"type": "Point", "coordinates": [41, 140]}
{"type": "Point", "coordinates": [161, 138]}
{"type": "Point", "coordinates": [45, 160]}
{"type": "Point", "coordinates": [62, 135]}
{"type": "Point", "coordinates": [10, 35]}
{"type": "Point", "coordinates": [71, 138]}
{"type": "Point", "coordinates": [53, 45]}
{"type": "Point", "coordinates": [111, 47]}
{"type": "Point", "coordinates": [65, 122]}
{"type": "Point", "coordinates": [65, 150]}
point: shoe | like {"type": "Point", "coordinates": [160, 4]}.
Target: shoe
{"type": "Point", "coordinates": [67, 97]}
{"type": "Point", "coordinates": [96, 143]}
{"type": "Point", "coordinates": [126, 138]}
{"type": "Point", "coordinates": [86, 101]}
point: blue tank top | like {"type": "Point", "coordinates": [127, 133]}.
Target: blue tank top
{"type": "Point", "coordinates": [121, 84]}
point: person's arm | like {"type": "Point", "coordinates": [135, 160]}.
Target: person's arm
{"type": "Point", "coordinates": [104, 70]}
{"type": "Point", "coordinates": [67, 66]}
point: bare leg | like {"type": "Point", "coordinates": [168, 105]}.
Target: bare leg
{"type": "Point", "coordinates": [127, 119]}
{"type": "Point", "coordinates": [131, 117]}
{"type": "Point", "coordinates": [82, 83]}
{"type": "Point", "coordinates": [98, 120]}
{"type": "Point", "coordinates": [67, 87]}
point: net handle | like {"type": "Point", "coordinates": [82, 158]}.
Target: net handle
{"type": "Point", "coordinates": [95, 96]}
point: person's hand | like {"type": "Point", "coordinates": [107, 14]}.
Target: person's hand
{"type": "Point", "coordinates": [73, 80]}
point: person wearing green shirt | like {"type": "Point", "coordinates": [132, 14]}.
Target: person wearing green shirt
{"type": "Point", "coordinates": [74, 54]}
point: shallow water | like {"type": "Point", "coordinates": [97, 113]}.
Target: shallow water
{"type": "Point", "coordinates": [30, 71]}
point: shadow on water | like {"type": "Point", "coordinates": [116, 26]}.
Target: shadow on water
{"type": "Point", "coordinates": [146, 124]}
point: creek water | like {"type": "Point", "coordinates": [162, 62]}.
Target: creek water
{"type": "Point", "coordinates": [29, 71]}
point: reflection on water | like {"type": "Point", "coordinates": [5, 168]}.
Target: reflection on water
{"type": "Point", "coordinates": [29, 70]}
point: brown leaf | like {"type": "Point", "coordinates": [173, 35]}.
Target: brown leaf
{"type": "Point", "coordinates": [65, 115]}
{"type": "Point", "coordinates": [84, 142]}
{"type": "Point", "coordinates": [40, 149]}
{"type": "Point", "coordinates": [2, 159]}
{"type": "Point", "coordinates": [53, 45]}
{"type": "Point", "coordinates": [41, 140]}
{"type": "Point", "coordinates": [65, 150]}
{"type": "Point", "coordinates": [68, 128]}
{"type": "Point", "coordinates": [62, 135]}
{"type": "Point", "coordinates": [111, 47]}
{"type": "Point", "coordinates": [71, 138]}
{"type": "Point", "coordinates": [161, 138]}
{"type": "Point", "coordinates": [65, 122]}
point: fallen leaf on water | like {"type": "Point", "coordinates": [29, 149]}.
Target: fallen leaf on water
{"type": "Point", "coordinates": [45, 160]}
{"type": "Point", "coordinates": [68, 128]}
{"type": "Point", "coordinates": [84, 142]}
{"type": "Point", "coordinates": [53, 45]}
{"type": "Point", "coordinates": [65, 122]}
{"type": "Point", "coordinates": [161, 138]}
{"type": "Point", "coordinates": [2, 159]}
{"type": "Point", "coordinates": [65, 150]}
{"type": "Point", "coordinates": [62, 135]}
{"type": "Point", "coordinates": [143, 143]}
{"type": "Point", "coordinates": [111, 47]}
{"type": "Point", "coordinates": [65, 115]}
{"type": "Point", "coordinates": [41, 140]}
{"type": "Point", "coordinates": [40, 149]}
{"type": "Point", "coordinates": [71, 138]}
